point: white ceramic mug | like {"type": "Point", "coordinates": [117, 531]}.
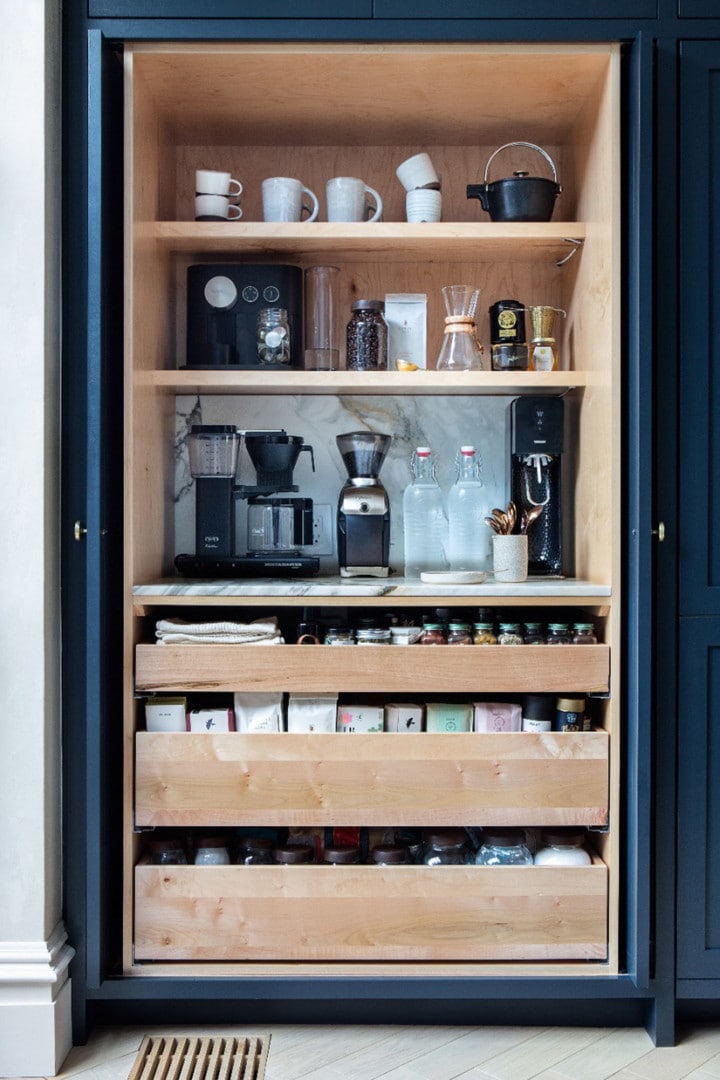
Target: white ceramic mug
{"type": "Point", "coordinates": [347, 200]}
{"type": "Point", "coordinates": [510, 557]}
{"type": "Point", "coordinates": [418, 171]}
{"type": "Point", "coordinates": [283, 200]}
{"type": "Point", "coordinates": [216, 208]}
{"type": "Point", "coordinates": [423, 204]}
{"type": "Point", "coordinates": [212, 182]}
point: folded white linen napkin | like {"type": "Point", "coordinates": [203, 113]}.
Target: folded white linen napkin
{"type": "Point", "coordinates": [178, 631]}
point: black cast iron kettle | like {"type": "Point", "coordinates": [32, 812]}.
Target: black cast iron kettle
{"type": "Point", "coordinates": [519, 197]}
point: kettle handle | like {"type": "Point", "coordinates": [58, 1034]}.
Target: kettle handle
{"type": "Point", "coordinates": [531, 146]}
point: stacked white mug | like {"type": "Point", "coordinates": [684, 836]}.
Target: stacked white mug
{"type": "Point", "coordinates": [423, 201]}
{"type": "Point", "coordinates": [217, 196]}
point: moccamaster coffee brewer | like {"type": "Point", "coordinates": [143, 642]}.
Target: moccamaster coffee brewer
{"type": "Point", "coordinates": [536, 446]}
{"type": "Point", "coordinates": [224, 321]}
{"type": "Point", "coordinates": [277, 525]}
{"type": "Point", "coordinates": [363, 518]}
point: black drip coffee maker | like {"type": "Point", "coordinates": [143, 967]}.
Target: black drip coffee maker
{"type": "Point", "coordinates": [536, 446]}
{"type": "Point", "coordinates": [278, 525]}
{"type": "Point", "coordinates": [363, 518]}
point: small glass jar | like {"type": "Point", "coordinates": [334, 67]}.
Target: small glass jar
{"type": "Point", "coordinates": [558, 634]}
{"type": "Point", "coordinates": [584, 634]}
{"type": "Point", "coordinates": [390, 855]}
{"type": "Point", "coordinates": [534, 633]}
{"type": "Point", "coordinates": [167, 853]}
{"type": "Point", "coordinates": [292, 854]}
{"type": "Point", "coordinates": [366, 337]}
{"type": "Point", "coordinates": [211, 851]}
{"type": "Point", "coordinates": [484, 634]}
{"type": "Point", "coordinates": [570, 714]}
{"type": "Point", "coordinates": [273, 336]}
{"type": "Point", "coordinates": [510, 634]}
{"type": "Point", "coordinates": [339, 635]}
{"type": "Point", "coordinates": [446, 848]}
{"type": "Point", "coordinates": [375, 636]}
{"type": "Point", "coordinates": [255, 851]}
{"type": "Point", "coordinates": [562, 847]}
{"type": "Point", "coordinates": [433, 634]}
{"type": "Point", "coordinates": [341, 855]}
{"type": "Point", "coordinates": [459, 634]}
{"type": "Point", "coordinates": [503, 847]}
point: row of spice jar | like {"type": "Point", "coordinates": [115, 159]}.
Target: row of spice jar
{"type": "Point", "coordinates": [461, 633]}
{"type": "Point", "coordinates": [490, 846]}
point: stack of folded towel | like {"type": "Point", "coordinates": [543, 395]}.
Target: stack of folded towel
{"type": "Point", "coordinates": [179, 632]}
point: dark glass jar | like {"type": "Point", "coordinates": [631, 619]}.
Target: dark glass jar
{"type": "Point", "coordinates": [341, 854]}
{"type": "Point", "coordinates": [366, 337]}
{"type": "Point", "coordinates": [534, 633]}
{"type": "Point", "coordinates": [459, 633]}
{"type": "Point", "coordinates": [255, 851]}
{"type": "Point", "coordinates": [292, 854]}
{"type": "Point", "coordinates": [558, 634]}
{"type": "Point", "coordinates": [584, 634]}
{"type": "Point", "coordinates": [445, 848]}
{"type": "Point", "coordinates": [167, 853]}
{"type": "Point", "coordinates": [391, 855]}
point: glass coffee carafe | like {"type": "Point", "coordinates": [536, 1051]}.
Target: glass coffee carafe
{"type": "Point", "coordinates": [461, 350]}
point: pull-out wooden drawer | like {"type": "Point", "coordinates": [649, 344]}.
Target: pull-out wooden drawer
{"type": "Point", "coordinates": [234, 913]}
{"type": "Point", "coordinates": [383, 779]}
{"type": "Point", "coordinates": [386, 669]}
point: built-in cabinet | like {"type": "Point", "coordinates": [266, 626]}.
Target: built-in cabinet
{"type": "Point", "coordinates": [316, 111]}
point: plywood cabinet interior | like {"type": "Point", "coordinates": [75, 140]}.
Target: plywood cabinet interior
{"type": "Point", "coordinates": [316, 111]}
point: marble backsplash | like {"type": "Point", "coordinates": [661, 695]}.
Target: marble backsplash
{"type": "Point", "coordinates": [443, 423]}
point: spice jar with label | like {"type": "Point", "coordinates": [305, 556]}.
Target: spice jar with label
{"type": "Point", "coordinates": [584, 634]}
{"type": "Point", "coordinates": [562, 847]}
{"type": "Point", "coordinates": [459, 634]}
{"type": "Point", "coordinates": [211, 851]}
{"type": "Point", "coordinates": [484, 634]}
{"type": "Point", "coordinates": [503, 847]}
{"type": "Point", "coordinates": [510, 634]}
{"type": "Point", "coordinates": [433, 634]}
{"type": "Point", "coordinates": [366, 337]}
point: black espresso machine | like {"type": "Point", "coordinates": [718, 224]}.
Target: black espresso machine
{"type": "Point", "coordinates": [278, 524]}
{"type": "Point", "coordinates": [224, 301]}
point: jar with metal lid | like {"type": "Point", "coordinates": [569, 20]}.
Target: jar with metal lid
{"type": "Point", "coordinates": [211, 851]}
{"type": "Point", "coordinates": [503, 847]}
{"type": "Point", "coordinates": [273, 336]}
{"type": "Point", "coordinates": [484, 634]}
{"type": "Point", "coordinates": [584, 634]}
{"type": "Point", "coordinates": [558, 634]}
{"type": "Point", "coordinates": [534, 633]}
{"type": "Point", "coordinates": [375, 636]}
{"type": "Point", "coordinates": [510, 634]}
{"type": "Point", "coordinates": [444, 848]}
{"type": "Point", "coordinates": [167, 853]}
{"type": "Point", "coordinates": [459, 634]}
{"type": "Point", "coordinates": [570, 714]}
{"type": "Point", "coordinates": [341, 854]}
{"type": "Point", "coordinates": [366, 337]}
{"type": "Point", "coordinates": [562, 847]}
{"type": "Point", "coordinates": [292, 854]}
{"type": "Point", "coordinates": [255, 851]}
{"type": "Point", "coordinates": [390, 855]}
{"type": "Point", "coordinates": [433, 634]}
{"type": "Point", "coordinates": [339, 635]}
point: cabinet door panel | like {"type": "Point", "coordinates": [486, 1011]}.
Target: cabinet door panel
{"type": "Point", "coordinates": [699, 800]}
{"type": "Point", "coordinates": [699, 330]}
{"type": "Point", "coordinates": [517, 9]}
{"type": "Point", "coordinates": [229, 9]}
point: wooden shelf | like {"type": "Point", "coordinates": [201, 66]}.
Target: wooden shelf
{"type": "Point", "coordinates": [369, 242]}
{"type": "Point", "coordinates": [437, 383]}
{"type": "Point", "coordinates": [370, 913]}
{"type": "Point", "coordinates": [523, 779]}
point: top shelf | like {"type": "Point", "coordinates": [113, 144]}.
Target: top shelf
{"type": "Point", "coordinates": [392, 241]}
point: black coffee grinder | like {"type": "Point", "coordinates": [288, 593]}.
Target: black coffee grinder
{"type": "Point", "coordinates": [278, 525]}
{"type": "Point", "coordinates": [363, 517]}
{"type": "Point", "coordinates": [536, 446]}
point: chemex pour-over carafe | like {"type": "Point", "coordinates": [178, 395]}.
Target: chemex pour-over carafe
{"type": "Point", "coordinates": [461, 350]}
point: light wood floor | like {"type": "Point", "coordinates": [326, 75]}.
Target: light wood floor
{"type": "Point", "coordinates": [437, 1053]}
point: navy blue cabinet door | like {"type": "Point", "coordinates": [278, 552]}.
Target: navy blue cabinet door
{"type": "Point", "coordinates": [517, 9]}
{"type": "Point", "coordinates": [698, 851]}
{"type": "Point", "coordinates": [230, 9]}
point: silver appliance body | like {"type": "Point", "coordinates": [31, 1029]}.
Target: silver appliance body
{"type": "Point", "coordinates": [363, 525]}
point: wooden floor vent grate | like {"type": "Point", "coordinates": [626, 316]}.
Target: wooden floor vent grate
{"type": "Point", "coordinates": [193, 1058]}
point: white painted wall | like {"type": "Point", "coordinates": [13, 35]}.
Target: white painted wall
{"type": "Point", "coordinates": [34, 990]}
